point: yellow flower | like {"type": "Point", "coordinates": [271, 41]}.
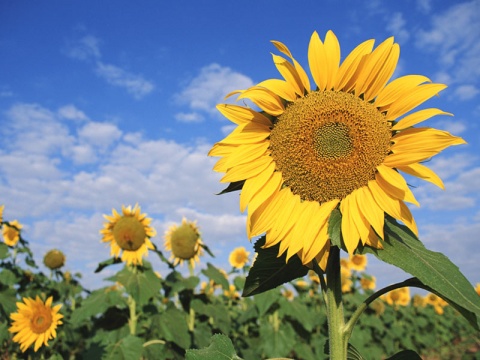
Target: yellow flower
{"type": "Point", "coordinates": [1, 213]}
{"type": "Point", "coordinates": [418, 301]}
{"type": "Point", "coordinates": [436, 301]}
{"type": "Point", "coordinates": [338, 143]}
{"type": "Point", "coordinates": [35, 322]}
{"type": "Point", "coordinates": [128, 233]}
{"type": "Point", "coordinates": [207, 288]}
{"type": "Point", "coordinates": [312, 275]}
{"type": "Point", "coordinates": [358, 262]}
{"type": "Point", "coordinates": [345, 263]}
{"type": "Point", "coordinates": [368, 283]}
{"type": "Point", "coordinates": [232, 292]}
{"type": "Point", "coordinates": [346, 280]}
{"type": "Point", "coordinates": [238, 257]}
{"type": "Point", "coordinates": [399, 296]}
{"type": "Point", "coordinates": [11, 232]}
{"type": "Point", "coordinates": [54, 259]}
{"type": "Point", "coordinates": [288, 294]}
{"type": "Point", "coordinates": [379, 307]}
{"type": "Point", "coordinates": [184, 242]}
{"type": "Point", "coordinates": [477, 288]}
{"type": "Point", "coordinates": [301, 284]}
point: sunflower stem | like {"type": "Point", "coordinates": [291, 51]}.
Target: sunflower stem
{"type": "Point", "coordinates": [334, 306]}
{"type": "Point", "coordinates": [132, 321]}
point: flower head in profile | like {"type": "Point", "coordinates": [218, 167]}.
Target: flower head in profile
{"type": "Point", "coordinates": [35, 322]}
{"type": "Point", "coordinates": [368, 282]}
{"type": "Point", "coordinates": [185, 242]}
{"type": "Point", "coordinates": [232, 292]}
{"type": "Point", "coordinates": [11, 232]}
{"type": "Point", "coordinates": [358, 262]}
{"type": "Point", "coordinates": [341, 142]}
{"type": "Point", "coordinates": [397, 297]}
{"type": "Point", "coordinates": [436, 301]}
{"type": "Point", "coordinates": [239, 257]}
{"type": "Point", "coordinates": [129, 234]}
{"type": "Point", "coordinates": [54, 259]}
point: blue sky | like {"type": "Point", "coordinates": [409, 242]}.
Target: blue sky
{"type": "Point", "coordinates": [104, 103]}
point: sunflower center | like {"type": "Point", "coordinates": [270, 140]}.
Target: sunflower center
{"type": "Point", "coordinates": [184, 242]}
{"type": "Point", "coordinates": [41, 320]}
{"type": "Point", "coordinates": [129, 233]}
{"type": "Point", "coordinates": [327, 144]}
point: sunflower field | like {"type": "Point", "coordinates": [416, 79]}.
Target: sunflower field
{"type": "Point", "coordinates": [147, 315]}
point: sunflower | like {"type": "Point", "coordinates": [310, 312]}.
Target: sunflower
{"type": "Point", "coordinates": [368, 283]}
{"type": "Point", "coordinates": [357, 262]}
{"type": "Point", "coordinates": [338, 144]}
{"type": "Point", "coordinates": [1, 213]}
{"type": "Point", "coordinates": [346, 280]}
{"type": "Point", "coordinates": [54, 259]}
{"type": "Point", "coordinates": [238, 257]}
{"type": "Point", "coordinates": [185, 243]}
{"type": "Point", "coordinates": [399, 296]}
{"type": "Point", "coordinates": [11, 232]}
{"type": "Point", "coordinates": [436, 301]}
{"type": "Point", "coordinates": [129, 232]}
{"type": "Point", "coordinates": [35, 322]}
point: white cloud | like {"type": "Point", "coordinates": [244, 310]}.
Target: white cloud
{"type": "Point", "coordinates": [209, 88]}
{"type": "Point", "coordinates": [466, 92]}
{"type": "Point", "coordinates": [99, 134]}
{"type": "Point", "coordinates": [88, 49]}
{"type": "Point", "coordinates": [396, 25]}
{"type": "Point", "coordinates": [191, 117]}
{"type": "Point", "coordinates": [424, 5]}
{"type": "Point", "coordinates": [71, 112]}
{"type": "Point", "coordinates": [454, 35]}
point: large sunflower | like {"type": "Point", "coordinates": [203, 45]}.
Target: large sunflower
{"type": "Point", "coordinates": [129, 233]}
{"type": "Point", "coordinates": [185, 243]}
{"type": "Point", "coordinates": [341, 144]}
{"type": "Point", "coordinates": [35, 322]}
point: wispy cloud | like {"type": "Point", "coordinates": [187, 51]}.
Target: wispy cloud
{"type": "Point", "coordinates": [454, 35]}
{"type": "Point", "coordinates": [88, 49]}
{"type": "Point", "coordinates": [209, 88]}
{"type": "Point", "coordinates": [396, 25]}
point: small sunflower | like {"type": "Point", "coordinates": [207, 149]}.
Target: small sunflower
{"type": "Point", "coordinates": [368, 283]}
{"type": "Point", "coordinates": [1, 213]}
{"type": "Point", "coordinates": [418, 301]}
{"type": "Point", "coordinates": [185, 243]}
{"type": "Point", "coordinates": [288, 294]}
{"type": "Point", "coordinates": [232, 292]}
{"type": "Point", "coordinates": [238, 257]}
{"type": "Point", "coordinates": [337, 144]}
{"type": "Point", "coordinates": [357, 262]}
{"type": "Point", "coordinates": [11, 232]}
{"type": "Point", "coordinates": [35, 322]}
{"type": "Point", "coordinates": [128, 233]}
{"type": "Point", "coordinates": [436, 301]}
{"type": "Point", "coordinates": [54, 259]}
{"type": "Point", "coordinates": [477, 288]}
{"type": "Point", "coordinates": [399, 296]}
{"type": "Point", "coordinates": [346, 280]}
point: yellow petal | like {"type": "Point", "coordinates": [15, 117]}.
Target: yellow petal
{"type": "Point", "coordinates": [332, 52]}
{"type": "Point", "coordinates": [394, 184]}
{"type": "Point", "coordinates": [289, 73]}
{"type": "Point", "coordinates": [358, 217]}
{"type": "Point", "coordinates": [373, 65]}
{"type": "Point", "coordinates": [350, 232]}
{"type": "Point", "coordinates": [264, 99]}
{"type": "Point", "coordinates": [317, 60]}
{"type": "Point", "coordinates": [418, 117]}
{"type": "Point", "coordinates": [414, 98]}
{"type": "Point", "coordinates": [298, 231]}
{"type": "Point", "coordinates": [346, 74]}
{"type": "Point", "coordinates": [281, 88]}
{"type": "Point", "coordinates": [322, 257]}
{"type": "Point", "coordinates": [398, 88]}
{"type": "Point", "coordinates": [248, 170]}
{"type": "Point", "coordinates": [249, 133]}
{"type": "Point", "coordinates": [254, 184]}
{"type": "Point", "coordinates": [246, 153]}
{"type": "Point", "coordinates": [286, 219]}
{"type": "Point", "coordinates": [384, 74]}
{"type": "Point", "coordinates": [263, 217]}
{"type": "Point", "coordinates": [270, 187]}
{"type": "Point", "coordinates": [301, 72]}
{"type": "Point", "coordinates": [370, 209]}
{"type": "Point", "coordinates": [422, 172]}
{"type": "Point", "coordinates": [242, 115]}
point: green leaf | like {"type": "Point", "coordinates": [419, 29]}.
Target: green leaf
{"type": "Point", "coordinates": [335, 227]}
{"type": "Point", "coordinates": [220, 348]}
{"type": "Point", "coordinates": [175, 283]}
{"type": "Point", "coordinates": [3, 251]}
{"type": "Point", "coordinates": [7, 277]}
{"type": "Point", "coordinates": [214, 274]}
{"type": "Point", "coordinates": [141, 284]}
{"type": "Point", "coordinates": [405, 355]}
{"type": "Point", "coordinates": [279, 341]}
{"type": "Point", "coordinates": [106, 263]}
{"type": "Point", "coordinates": [207, 249]}
{"type": "Point", "coordinates": [265, 300]}
{"type": "Point", "coordinates": [270, 270]}
{"type": "Point", "coordinates": [172, 325]}
{"type": "Point", "coordinates": [298, 312]}
{"type": "Point", "coordinates": [8, 300]}
{"type": "Point", "coordinates": [128, 348]}
{"type": "Point", "coordinates": [234, 186]}
{"type": "Point", "coordinates": [434, 271]}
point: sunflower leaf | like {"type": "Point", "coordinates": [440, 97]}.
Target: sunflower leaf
{"type": "Point", "coordinates": [141, 284]}
{"type": "Point", "coordinates": [270, 270]}
{"type": "Point", "coordinates": [220, 348]}
{"type": "Point", "coordinates": [334, 228]}
{"type": "Point", "coordinates": [233, 186]}
{"type": "Point", "coordinates": [214, 274]}
{"type": "Point", "coordinates": [405, 355]}
{"type": "Point", "coordinates": [106, 263]}
{"type": "Point", "coordinates": [433, 270]}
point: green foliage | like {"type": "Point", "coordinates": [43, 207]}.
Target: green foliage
{"type": "Point", "coordinates": [271, 270]}
{"type": "Point", "coordinates": [220, 348]}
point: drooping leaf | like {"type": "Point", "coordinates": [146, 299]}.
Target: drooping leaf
{"type": "Point", "coordinates": [173, 327]}
{"type": "Point", "coordinates": [141, 284]}
{"type": "Point", "coordinates": [175, 283]}
{"type": "Point", "coordinates": [405, 355]}
{"type": "Point", "coordinates": [214, 274]}
{"type": "Point", "coordinates": [270, 270]}
{"type": "Point", "coordinates": [434, 270]}
{"type": "Point", "coordinates": [98, 302]}
{"type": "Point", "coordinates": [220, 348]}
{"type": "Point", "coordinates": [127, 348]}
{"type": "Point", "coordinates": [207, 249]}
{"type": "Point", "coordinates": [106, 263]}
{"type": "Point", "coordinates": [234, 186]}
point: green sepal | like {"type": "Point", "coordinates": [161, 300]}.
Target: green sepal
{"type": "Point", "coordinates": [335, 228]}
{"type": "Point", "coordinates": [270, 270]}
{"type": "Point", "coordinates": [106, 263]}
{"type": "Point", "coordinates": [233, 186]}
{"type": "Point", "coordinates": [220, 348]}
{"type": "Point", "coordinates": [434, 271]}
{"type": "Point", "coordinates": [207, 249]}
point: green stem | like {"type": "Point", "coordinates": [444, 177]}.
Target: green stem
{"type": "Point", "coordinates": [334, 305]}
{"type": "Point", "coordinates": [132, 321]}
{"type": "Point", "coordinates": [191, 320]}
{"type": "Point", "coordinates": [153, 342]}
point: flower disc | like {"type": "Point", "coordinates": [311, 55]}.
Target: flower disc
{"type": "Point", "coordinates": [129, 233]}
{"type": "Point", "coordinates": [184, 241]}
